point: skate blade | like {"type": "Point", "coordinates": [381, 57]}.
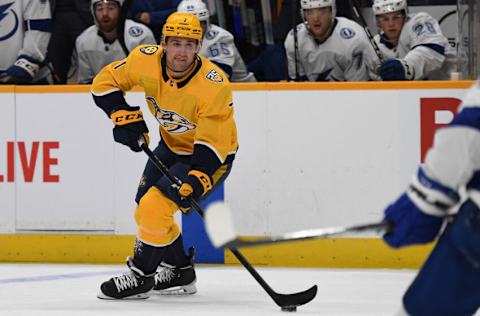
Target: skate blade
{"type": "Point", "coordinates": [141, 296]}
{"type": "Point", "coordinates": [177, 290]}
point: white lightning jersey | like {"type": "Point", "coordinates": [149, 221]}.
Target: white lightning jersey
{"type": "Point", "coordinates": [218, 46]}
{"type": "Point", "coordinates": [454, 159]}
{"type": "Point", "coordinates": [25, 27]}
{"type": "Point", "coordinates": [423, 46]}
{"type": "Point", "coordinates": [94, 53]}
{"type": "Point", "coordinates": [339, 58]}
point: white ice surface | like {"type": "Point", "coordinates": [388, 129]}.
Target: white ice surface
{"type": "Point", "coordinates": [49, 289]}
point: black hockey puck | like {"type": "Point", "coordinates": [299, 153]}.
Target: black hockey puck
{"type": "Point", "coordinates": [289, 309]}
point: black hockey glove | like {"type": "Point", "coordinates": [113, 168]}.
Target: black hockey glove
{"type": "Point", "coordinates": [196, 184]}
{"type": "Point", "coordinates": [129, 127]}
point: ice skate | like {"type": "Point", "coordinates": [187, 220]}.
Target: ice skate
{"type": "Point", "coordinates": [173, 280]}
{"type": "Point", "coordinates": [133, 284]}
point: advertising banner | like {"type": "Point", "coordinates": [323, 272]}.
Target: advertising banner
{"type": "Point", "coordinates": [308, 157]}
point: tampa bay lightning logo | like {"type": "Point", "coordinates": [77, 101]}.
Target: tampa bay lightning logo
{"type": "Point", "coordinates": [347, 33]}
{"type": "Point", "coordinates": [169, 120]}
{"type": "Point", "coordinates": [8, 21]}
{"type": "Point", "coordinates": [135, 31]}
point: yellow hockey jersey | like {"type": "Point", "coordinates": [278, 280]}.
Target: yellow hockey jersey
{"type": "Point", "coordinates": [194, 110]}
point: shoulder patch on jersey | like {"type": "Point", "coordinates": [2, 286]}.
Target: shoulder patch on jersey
{"type": "Point", "coordinates": [347, 33]}
{"type": "Point", "coordinates": [135, 31]}
{"type": "Point", "coordinates": [214, 76]}
{"type": "Point", "coordinates": [149, 50]}
{"type": "Point", "coordinates": [211, 35]}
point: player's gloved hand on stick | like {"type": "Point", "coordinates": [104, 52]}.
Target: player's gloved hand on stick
{"type": "Point", "coordinates": [21, 72]}
{"type": "Point", "coordinates": [129, 127]}
{"type": "Point", "coordinates": [418, 214]}
{"type": "Point", "coordinates": [195, 185]}
{"type": "Point", "coordinates": [410, 224]}
{"type": "Point", "coordinates": [395, 69]}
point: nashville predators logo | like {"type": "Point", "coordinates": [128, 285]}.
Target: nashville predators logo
{"type": "Point", "coordinates": [214, 76]}
{"type": "Point", "coordinates": [149, 50]}
{"type": "Point", "coordinates": [169, 120]}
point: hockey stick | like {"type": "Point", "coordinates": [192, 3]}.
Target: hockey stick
{"type": "Point", "coordinates": [220, 228]}
{"type": "Point", "coordinates": [295, 39]}
{"type": "Point", "coordinates": [285, 301]}
{"type": "Point", "coordinates": [121, 26]}
{"type": "Point", "coordinates": [360, 17]}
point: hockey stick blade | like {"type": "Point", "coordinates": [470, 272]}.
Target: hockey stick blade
{"type": "Point", "coordinates": [282, 300]}
{"type": "Point", "coordinates": [220, 228]}
{"type": "Point", "coordinates": [219, 224]}
{"type": "Point", "coordinates": [295, 299]}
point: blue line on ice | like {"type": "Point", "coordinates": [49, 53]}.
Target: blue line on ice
{"type": "Point", "coordinates": [56, 277]}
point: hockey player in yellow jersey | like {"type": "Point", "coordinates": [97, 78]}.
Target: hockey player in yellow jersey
{"type": "Point", "coordinates": [191, 99]}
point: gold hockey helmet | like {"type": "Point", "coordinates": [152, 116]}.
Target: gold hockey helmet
{"type": "Point", "coordinates": [182, 25]}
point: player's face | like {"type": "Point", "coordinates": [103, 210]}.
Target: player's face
{"type": "Point", "coordinates": [180, 53]}
{"type": "Point", "coordinates": [319, 21]}
{"type": "Point", "coordinates": [107, 14]}
{"type": "Point", "coordinates": [391, 24]}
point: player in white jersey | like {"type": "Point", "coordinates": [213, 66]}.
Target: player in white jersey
{"type": "Point", "coordinates": [218, 44]}
{"type": "Point", "coordinates": [412, 45]}
{"type": "Point", "coordinates": [326, 47]}
{"type": "Point", "coordinates": [449, 281]}
{"type": "Point", "coordinates": [25, 27]}
{"type": "Point", "coordinates": [99, 44]}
